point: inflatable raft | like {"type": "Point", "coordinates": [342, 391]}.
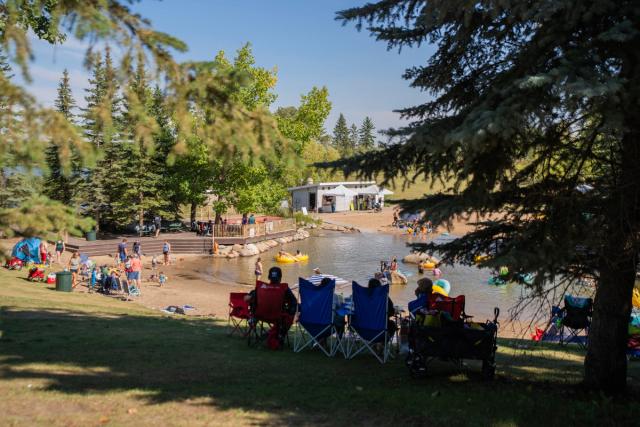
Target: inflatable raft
{"type": "Point", "coordinates": [290, 259]}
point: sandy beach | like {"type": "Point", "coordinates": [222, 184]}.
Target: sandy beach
{"type": "Point", "coordinates": [380, 222]}
{"type": "Point", "coordinates": [187, 285]}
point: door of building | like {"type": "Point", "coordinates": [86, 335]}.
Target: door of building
{"type": "Point", "coordinates": [312, 202]}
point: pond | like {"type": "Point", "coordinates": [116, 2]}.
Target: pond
{"type": "Point", "coordinates": [357, 257]}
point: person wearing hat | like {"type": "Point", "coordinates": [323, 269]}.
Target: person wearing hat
{"type": "Point", "coordinates": [289, 305]}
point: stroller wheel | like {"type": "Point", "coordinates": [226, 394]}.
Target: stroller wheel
{"type": "Point", "coordinates": [417, 366]}
{"type": "Point", "coordinates": [488, 370]}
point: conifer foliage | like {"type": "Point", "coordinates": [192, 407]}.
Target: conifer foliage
{"type": "Point", "coordinates": [534, 119]}
{"type": "Point", "coordinates": [57, 185]}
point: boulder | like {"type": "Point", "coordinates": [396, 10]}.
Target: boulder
{"type": "Point", "coordinates": [224, 250]}
{"type": "Point", "coordinates": [233, 254]}
{"type": "Point", "coordinates": [262, 246]}
{"type": "Point", "coordinates": [237, 247]}
{"type": "Point", "coordinates": [281, 240]}
{"type": "Point", "coordinates": [249, 250]}
{"type": "Point", "coordinates": [271, 243]}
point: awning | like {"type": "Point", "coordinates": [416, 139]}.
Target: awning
{"type": "Point", "coordinates": [340, 190]}
{"type": "Point", "coordinates": [372, 189]}
{"type": "Point", "coordinates": [385, 192]}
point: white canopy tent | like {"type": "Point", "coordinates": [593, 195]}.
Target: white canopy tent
{"type": "Point", "coordinates": [385, 192]}
{"type": "Point", "coordinates": [343, 197]}
{"type": "Point", "coordinates": [372, 190]}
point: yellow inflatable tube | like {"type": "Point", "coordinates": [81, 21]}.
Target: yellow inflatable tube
{"type": "Point", "coordinates": [290, 259]}
{"type": "Point", "coordinates": [428, 265]}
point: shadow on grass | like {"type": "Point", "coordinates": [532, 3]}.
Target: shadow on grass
{"type": "Point", "coordinates": [181, 359]}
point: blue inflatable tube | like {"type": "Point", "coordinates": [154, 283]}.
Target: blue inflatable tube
{"type": "Point", "coordinates": [497, 281]}
{"type": "Point", "coordinates": [444, 284]}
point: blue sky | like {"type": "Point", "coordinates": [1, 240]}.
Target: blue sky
{"type": "Point", "coordinates": [299, 37]}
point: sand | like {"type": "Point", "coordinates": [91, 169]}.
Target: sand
{"type": "Point", "coordinates": [210, 296]}
{"type": "Point", "coordinates": [371, 222]}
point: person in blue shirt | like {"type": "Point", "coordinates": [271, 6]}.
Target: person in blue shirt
{"type": "Point", "coordinates": [122, 250]}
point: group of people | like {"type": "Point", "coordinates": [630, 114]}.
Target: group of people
{"type": "Point", "coordinates": [290, 303]}
{"type": "Point", "coordinates": [46, 257]}
{"type": "Point", "coordinates": [205, 228]}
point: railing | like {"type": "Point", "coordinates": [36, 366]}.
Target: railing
{"type": "Point", "coordinates": [254, 230]}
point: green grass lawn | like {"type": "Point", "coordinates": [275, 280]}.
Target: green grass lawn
{"type": "Point", "coordinates": [82, 360]}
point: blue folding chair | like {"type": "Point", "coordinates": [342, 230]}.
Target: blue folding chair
{"type": "Point", "coordinates": [368, 323]}
{"type": "Point", "coordinates": [417, 304]}
{"type": "Point", "coordinates": [315, 326]}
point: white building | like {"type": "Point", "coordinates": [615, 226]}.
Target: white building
{"type": "Point", "coordinates": [337, 196]}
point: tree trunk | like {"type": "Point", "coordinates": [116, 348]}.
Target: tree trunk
{"type": "Point", "coordinates": [194, 206]}
{"type": "Point", "coordinates": [141, 213]}
{"type": "Point", "coordinates": [97, 218]}
{"type": "Point", "coordinates": [606, 361]}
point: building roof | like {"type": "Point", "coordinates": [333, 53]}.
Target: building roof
{"type": "Point", "coordinates": [331, 184]}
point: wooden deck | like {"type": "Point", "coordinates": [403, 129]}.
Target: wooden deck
{"type": "Point", "coordinates": [186, 242]}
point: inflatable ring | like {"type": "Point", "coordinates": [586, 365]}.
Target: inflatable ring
{"type": "Point", "coordinates": [480, 258]}
{"type": "Point", "coordinates": [497, 281]}
{"type": "Point", "coordinates": [443, 284]}
{"type": "Point", "coordinates": [302, 257]}
{"type": "Point", "coordinates": [428, 265]}
{"type": "Point", "coordinates": [285, 259]}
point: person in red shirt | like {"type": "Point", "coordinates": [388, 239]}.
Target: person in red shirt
{"type": "Point", "coordinates": [135, 271]}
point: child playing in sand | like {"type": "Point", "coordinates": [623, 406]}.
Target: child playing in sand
{"type": "Point", "coordinates": [162, 279]}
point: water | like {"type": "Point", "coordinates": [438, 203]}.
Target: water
{"type": "Point", "coordinates": [357, 257]}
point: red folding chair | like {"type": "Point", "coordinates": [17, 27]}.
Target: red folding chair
{"type": "Point", "coordinates": [267, 313]}
{"type": "Point", "coordinates": [239, 314]}
{"type": "Point", "coordinates": [453, 306]}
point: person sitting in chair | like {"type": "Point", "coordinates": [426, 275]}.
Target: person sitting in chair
{"type": "Point", "coordinates": [290, 304]}
{"type": "Point", "coordinates": [391, 311]}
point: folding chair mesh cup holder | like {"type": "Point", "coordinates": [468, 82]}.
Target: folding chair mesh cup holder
{"type": "Point", "coordinates": [576, 317]}
{"type": "Point", "coordinates": [239, 314]}
{"type": "Point", "coordinates": [267, 312]}
{"type": "Point", "coordinates": [367, 327]}
{"type": "Point", "coordinates": [316, 326]}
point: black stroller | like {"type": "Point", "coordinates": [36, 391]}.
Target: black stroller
{"type": "Point", "coordinates": [453, 338]}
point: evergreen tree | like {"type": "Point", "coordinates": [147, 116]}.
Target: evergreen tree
{"type": "Point", "coordinates": [366, 139]}
{"type": "Point", "coordinates": [57, 185]}
{"type": "Point", "coordinates": [535, 120]}
{"type": "Point", "coordinates": [95, 189]}
{"type": "Point", "coordinates": [353, 138]}
{"type": "Point", "coordinates": [137, 189]}
{"type": "Point", "coordinates": [341, 137]}
{"type": "Point", "coordinates": [163, 158]}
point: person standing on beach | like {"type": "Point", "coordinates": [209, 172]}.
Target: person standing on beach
{"type": "Point", "coordinates": [166, 251]}
{"type": "Point", "coordinates": [74, 268]}
{"type": "Point", "coordinates": [59, 250]}
{"type": "Point", "coordinates": [157, 221]}
{"type": "Point", "coordinates": [135, 271]}
{"type": "Point", "coordinates": [137, 248]}
{"type": "Point", "coordinates": [258, 269]}
{"type": "Point", "coordinates": [122, 251]}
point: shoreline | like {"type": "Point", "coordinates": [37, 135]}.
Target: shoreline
{"type": "Point", "coordinates": [189, 284]}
